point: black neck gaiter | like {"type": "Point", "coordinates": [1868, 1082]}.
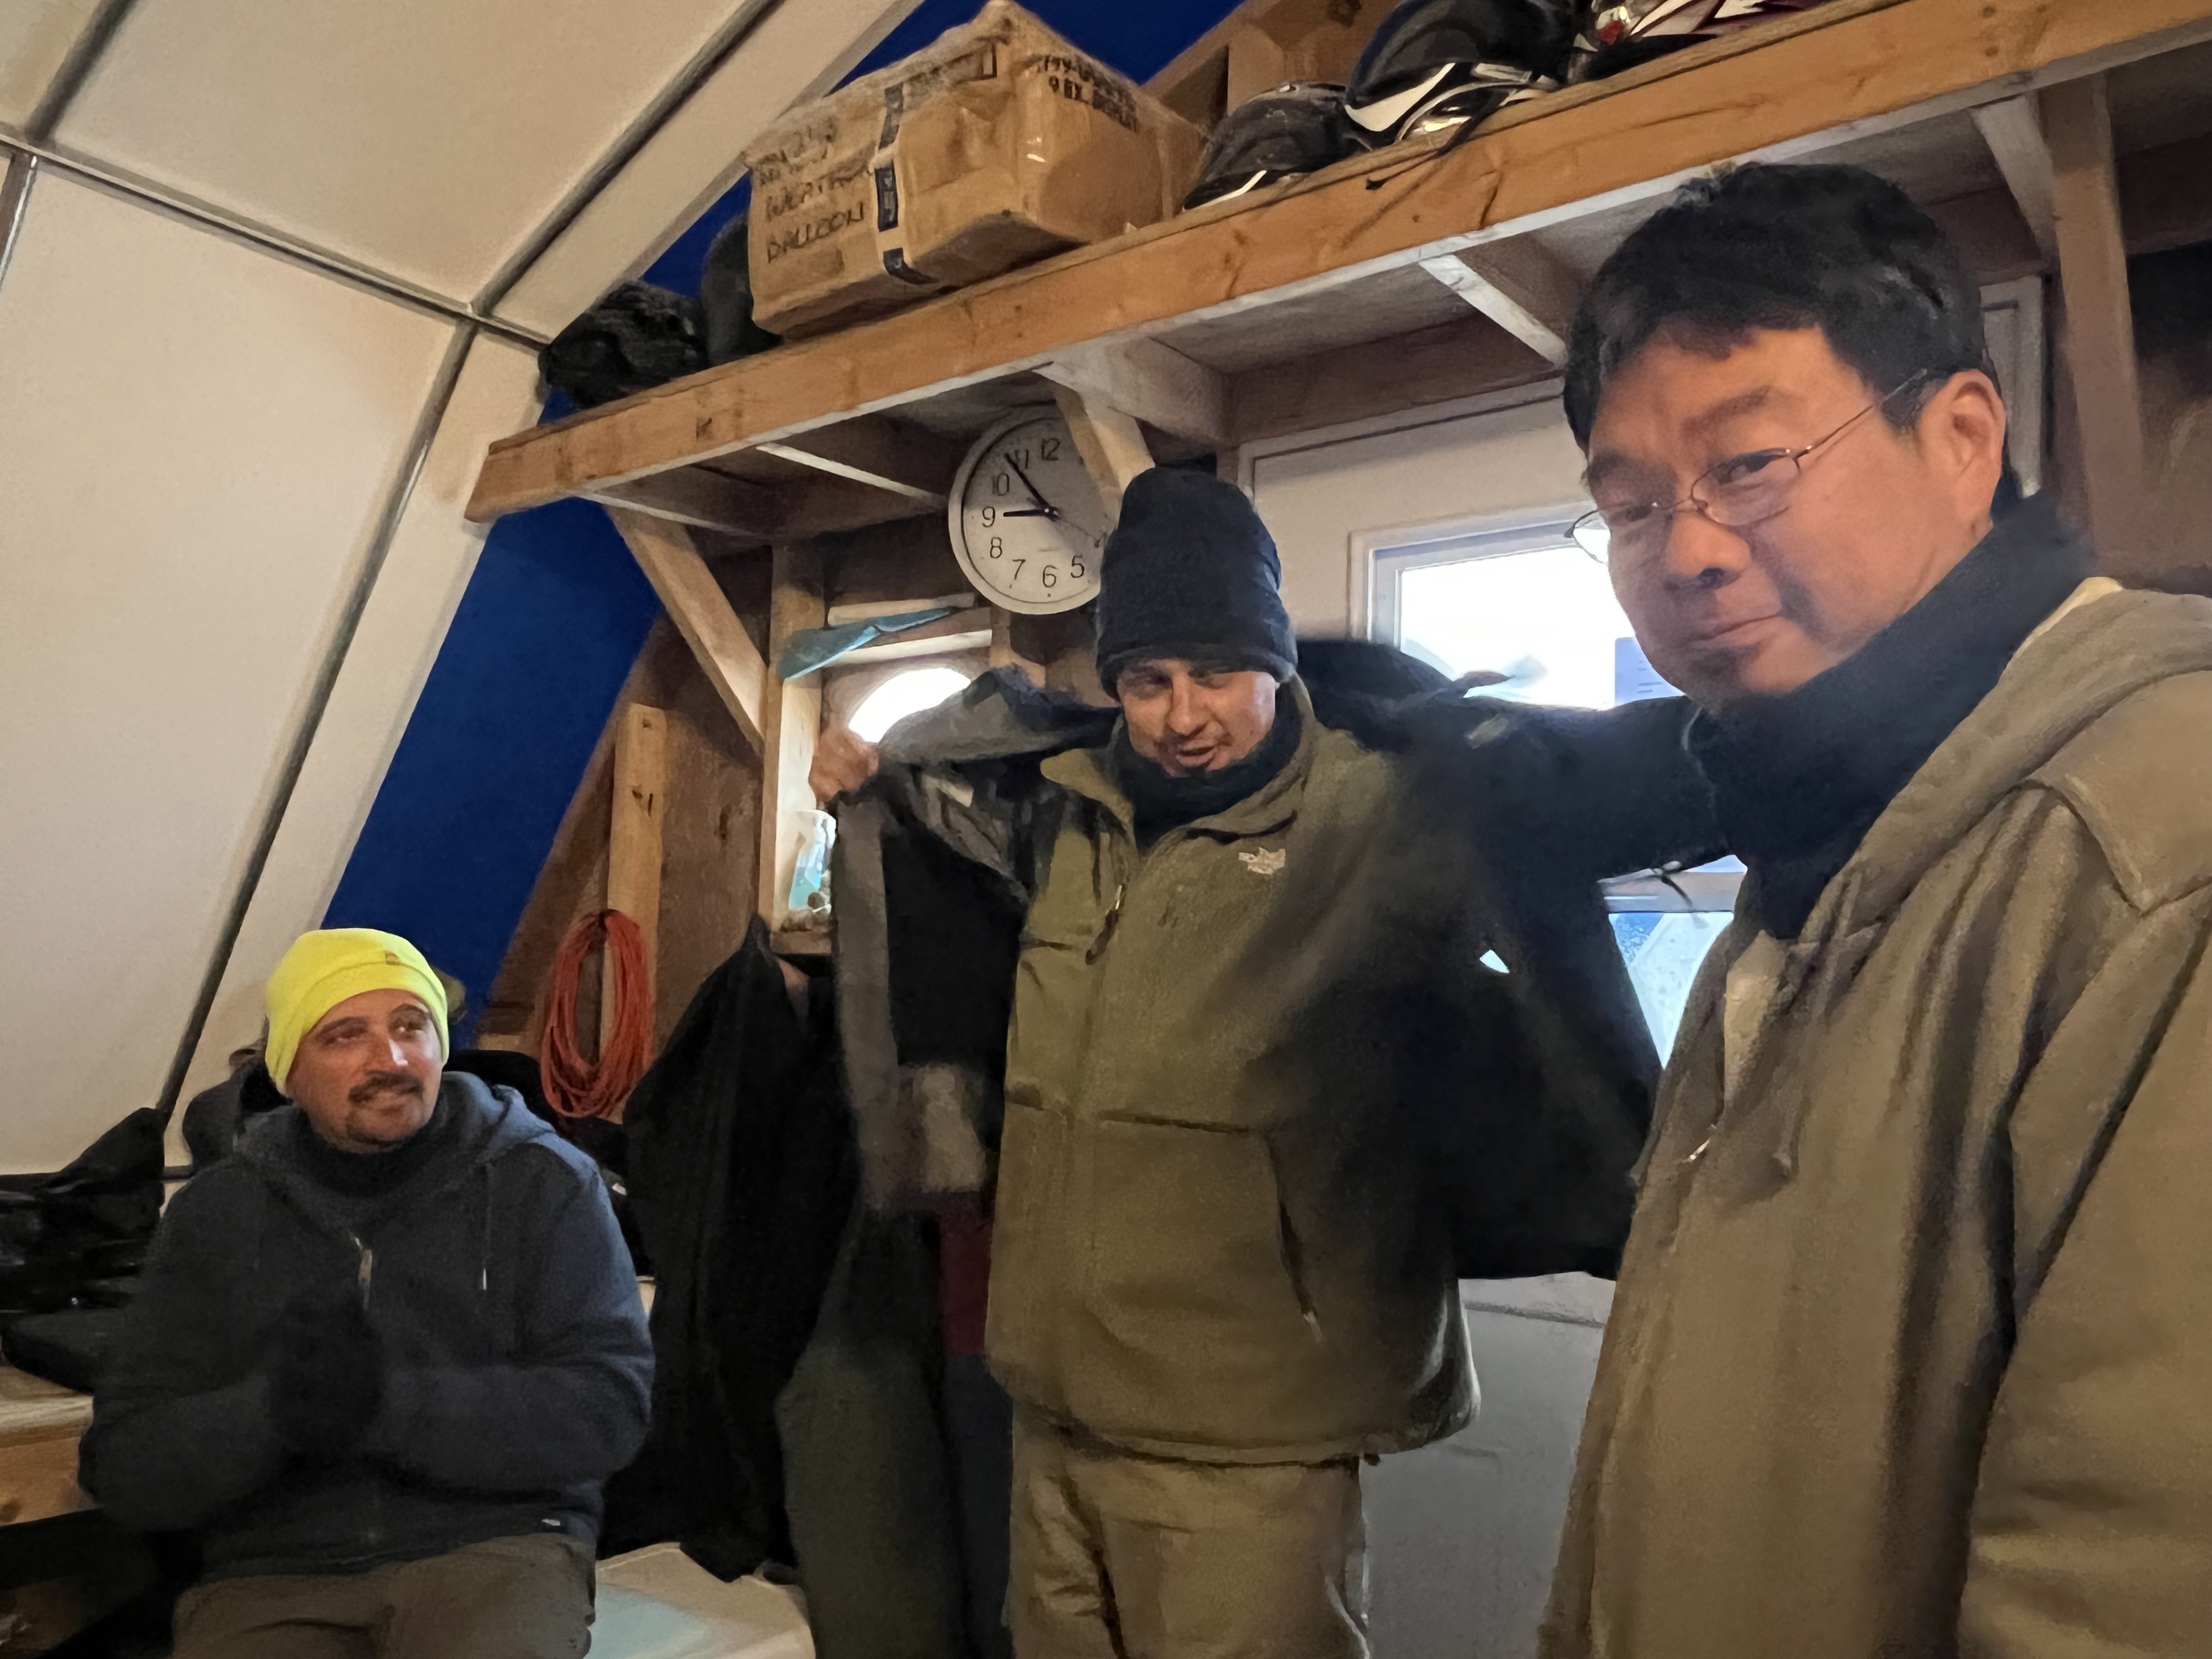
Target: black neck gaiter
{"type": "Point", "coordinates": [372, 1175]}
{"type": "Point", "coordinates": [1162, 802]}
{"type": "Point", "coordinates": [1799, 779]}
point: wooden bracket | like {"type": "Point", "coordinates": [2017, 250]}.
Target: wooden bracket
{"type": "Point", "coordinates": [2099, 326]}
{"type": "Point", "coordinates": [791, 718]}
{"type": "Point", "coordinates": [2013, 131]}
{"type": "Point", "coordinates": [907, 461]}
{"type": "Point", "coordinates": [1149, 382]}
{"type": "Point", "coordinates": [1520, 286]}
{"type": "Point", "coordinates": [1111, 443]}
{"type": "Point", "coordinates": [701, 611]}
{"type": "Point", "coordinates": [696, 500]}
{"type": "Point", "coordinates": [641, 795]}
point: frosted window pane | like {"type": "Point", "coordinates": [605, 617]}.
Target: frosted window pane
{"type": "Point", "coordinates": [904, 694]}
{"type": "Point", "coordinates": [1663, 953]}
{"type": "Point", "coordinates": [1546, 619]}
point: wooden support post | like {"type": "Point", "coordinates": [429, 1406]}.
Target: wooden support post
{"type": "Point", "coordinates": [2100, 328]}
{"type": "Point", "coordinates": [2014, 132]}
{"type": "Point", "coordinates": [702, 613]}
{"type": "Point", "coordinates": [641, 795]}
{"type": "Point", "coordinates": [1520, 286]}
{"type": "Point", "coordinates": [790, 719]}
{"type": "Point", "coordinates": [1111, 444]}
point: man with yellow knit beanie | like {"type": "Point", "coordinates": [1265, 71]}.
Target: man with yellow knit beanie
{"type": "Point", "coordinates": [385, 1355]}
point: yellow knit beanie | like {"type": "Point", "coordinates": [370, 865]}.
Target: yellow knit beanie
{"type": "Point", "coordinates": [323, 969]}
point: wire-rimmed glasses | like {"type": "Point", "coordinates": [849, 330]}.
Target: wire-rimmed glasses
{"type": "Point", "coordinates": [1735, 494]}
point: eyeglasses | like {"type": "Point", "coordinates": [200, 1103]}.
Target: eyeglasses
{"type": "Point", "coordinates": [1734, 494]}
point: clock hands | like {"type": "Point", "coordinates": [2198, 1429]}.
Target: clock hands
{"type": "Point", "coordinates": [1043, 506]}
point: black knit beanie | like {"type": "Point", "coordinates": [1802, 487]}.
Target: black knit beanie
{"type": "Point", "coordinates": [1191, 572]}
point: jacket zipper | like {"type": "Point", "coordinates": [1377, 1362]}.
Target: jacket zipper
{"type": "Point", "coordinates": [1106, 927]}
{"type": "Point", "coordinates": [363, 1273]}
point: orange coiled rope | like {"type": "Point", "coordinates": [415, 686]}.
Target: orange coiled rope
{"type": "Point", "coordinates": [576, 1087]}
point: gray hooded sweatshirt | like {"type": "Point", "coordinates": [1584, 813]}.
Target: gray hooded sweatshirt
{"type": "Point", "coordinates": [518, 1370]}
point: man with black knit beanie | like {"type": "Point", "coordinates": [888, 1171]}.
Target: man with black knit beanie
{"type": "Point", "coordinates": [1294, 1041]}
{"type": "Point", "coordinates": [1913, 1348]}
{"type": "Point", "coordinates": [1176, 1389]}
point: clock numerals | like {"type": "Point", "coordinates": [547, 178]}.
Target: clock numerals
{"type": "Point", "coordinates": [1024, 517]}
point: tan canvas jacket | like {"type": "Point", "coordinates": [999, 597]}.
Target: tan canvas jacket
{"type": "Point", "coordinates": [1912, 1349]}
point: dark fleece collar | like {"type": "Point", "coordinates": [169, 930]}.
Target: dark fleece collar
{"type": "Point", "coordinates": [1799, 779]}
{"type": "Point", "coordinates": [1160, 803]}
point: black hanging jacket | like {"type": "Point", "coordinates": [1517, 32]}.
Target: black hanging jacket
{"type": "Point", "coordinates": [741, 1173]}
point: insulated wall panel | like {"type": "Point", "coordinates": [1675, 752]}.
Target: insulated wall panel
{"type": "Point", "coordinates": [196, 440]}
{"type": "Point", "coordinates": [402, 628]}
{"type": "Point", "coordinates": [428, 138]}
{"type": "Point", "coordinates": [35, 38]}
{"type": "Point", "coordinates": [798, 51]}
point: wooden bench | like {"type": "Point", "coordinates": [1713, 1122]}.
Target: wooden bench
{"type": "Point", "coordinates": [41, 1425]}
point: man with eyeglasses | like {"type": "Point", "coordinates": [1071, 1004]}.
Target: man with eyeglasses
{"type": "Point", "coordinates": [1912, 1349]}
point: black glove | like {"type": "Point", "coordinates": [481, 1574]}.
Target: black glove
{"type": "Point", "coordinates": [325, 1374]}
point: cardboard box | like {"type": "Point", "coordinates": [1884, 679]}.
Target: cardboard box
{"type": "Point", "coordinates": [1000, 144]}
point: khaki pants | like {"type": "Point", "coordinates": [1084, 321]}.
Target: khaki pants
{"type": "Point", "coordinates": [1119, 1557]}
{"type": "Point", "coordinates": [513, 1598]}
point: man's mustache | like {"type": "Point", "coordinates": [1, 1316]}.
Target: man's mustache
{"type": "Point", "coordinates": [377, 1083]}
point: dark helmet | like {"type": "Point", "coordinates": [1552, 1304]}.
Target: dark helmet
{"type": "Point", "coordinates": [638, 336]}
{"type": "Point", "coordinates": [1287, 133]}
{"type": "Point", "coordinates": [1623, 35]}
{"type": "Point", "coordinates": [726, 297]}
{"type": "Point", "coordinates": [1434, 63]}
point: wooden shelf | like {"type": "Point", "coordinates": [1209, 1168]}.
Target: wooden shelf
{"type": "Point", "coordinates": [1367, 288]}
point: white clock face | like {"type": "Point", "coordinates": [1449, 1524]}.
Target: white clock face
{"type": "Point", "coordinates": [1026, 520]}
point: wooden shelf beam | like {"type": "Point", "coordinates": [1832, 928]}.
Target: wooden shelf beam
{"type": "Point", "coordinates": [1784, 89]}
{"type": "Point", "coordinates": [896, 458]}
{"type": "Point", "coordinates": [697, 501]}
{"type": "Point", "coordinates": [964, 630]}
{"type": "Point", "coordinates": [1519, 286]}
{"type": "Point", "coordinates": [1150, 382]}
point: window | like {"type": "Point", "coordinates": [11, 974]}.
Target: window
{"type": "Point", "coordinates": [1526, 604]}
{"type": "Point", "coordinates": [907, 692]}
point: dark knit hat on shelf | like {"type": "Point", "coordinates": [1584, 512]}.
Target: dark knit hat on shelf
{"type": "Point", "coordinates": [1190, 573]}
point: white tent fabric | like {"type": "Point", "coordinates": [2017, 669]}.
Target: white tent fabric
{"type": "Point", "coordinates": [270, 278]}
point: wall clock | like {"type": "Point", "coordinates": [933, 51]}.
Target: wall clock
{"type": "Point", "coordinates": [1027, 522]}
